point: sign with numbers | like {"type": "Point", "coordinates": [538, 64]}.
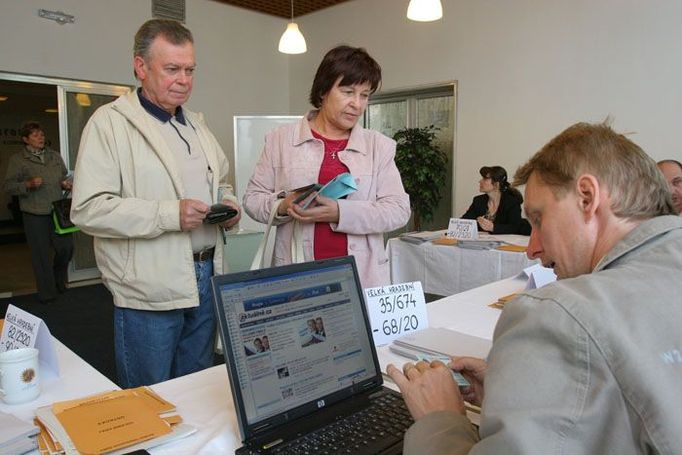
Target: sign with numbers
{"type": "Point", "coordinates": [396, 310]}
{"type": "Point", "coordinates": [462, 229]}
{"type": "Point", "coordinates": [24, 330]}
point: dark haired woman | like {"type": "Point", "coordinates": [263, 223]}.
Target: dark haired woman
{"type": "Point", "coordinates": [498, 210]}
{"type": "Point", "coordinates": [327, 142]}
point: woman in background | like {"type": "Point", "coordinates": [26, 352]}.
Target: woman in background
{"type": "Point", "coordinates": [498, 209]}
{"type": "Point", "coordinates": [37, 175]}
{"type": "Point", "coordinates": [329, 141]}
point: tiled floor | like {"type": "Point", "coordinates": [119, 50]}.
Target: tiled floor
{"type": "Point", "coordinates": [17, 275]}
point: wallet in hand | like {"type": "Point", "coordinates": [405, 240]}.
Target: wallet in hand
{"type": "Point", "coordinates": [219, 213]}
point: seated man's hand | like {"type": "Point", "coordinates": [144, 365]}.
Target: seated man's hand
{"type": "Point", "coordinates": [474, 370]}
{"type": "Point", "coordinates": [227, 224]}
{"type": "Point", "coordinates": [427, 388]}
{"type": "Point", "coordinates": [192, 213]}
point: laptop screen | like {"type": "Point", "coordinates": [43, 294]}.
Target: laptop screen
{"type": "Point", "coordinates": [296, 339]}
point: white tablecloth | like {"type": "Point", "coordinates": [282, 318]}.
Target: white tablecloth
{"type": "Point", "coordinates": [467, 312]}
{"type": "Point", "coordinates": [204, 399]}
{"type": "Point", "coordinates": [78, 379]}
{"type": "Point", "coordinates": [448, 269]}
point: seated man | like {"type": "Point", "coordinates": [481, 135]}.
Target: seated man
{"type": "Point", "coordinates": [672, 171]}
{"type": "Point", "coordinates": [589, 364]}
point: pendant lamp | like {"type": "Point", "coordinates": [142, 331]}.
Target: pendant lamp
{"type": "Point", "coordinates": [424, 10]}
{"type": "Point", "coordinates": [292, 40]}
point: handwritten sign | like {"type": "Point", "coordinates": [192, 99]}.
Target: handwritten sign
{"type": "Point", "coordinates": [461, 229]}
{"type": "Point", "coordinates": [395, 310]}
{"type": "Point", "coordinates": [24, 330]}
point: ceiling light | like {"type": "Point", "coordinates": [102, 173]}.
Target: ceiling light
{"type": "Point", "coordinates": [3, 98]}
{"type": "Point", "coordinates": [292, 40]}
{"type": "Point", "coordinates": [424, 10]}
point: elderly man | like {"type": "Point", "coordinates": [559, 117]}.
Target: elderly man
{"type": "Point", "coordinates": [590, 364]}
{"type": "Point", "coordinates": [148, 171]}
{"type": "Point", "coordinates": [672, 171]}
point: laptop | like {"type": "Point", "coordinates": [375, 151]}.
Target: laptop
{"type": "Point", "coordinates": [302, 364]}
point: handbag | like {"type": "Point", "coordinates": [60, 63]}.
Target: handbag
{"type": "Point", "coordinates": [296, 245]}
{"type": "Point", "coordinates": [61, 215]}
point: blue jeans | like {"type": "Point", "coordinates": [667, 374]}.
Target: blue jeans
{"type": "Point", "coordinates": [154, 346]}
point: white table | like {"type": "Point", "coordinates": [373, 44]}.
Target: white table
{"type": "Point", "coordinates": [77, 379]}
{"type": "Point", "coordinates": [467, 312]}
{"type": "Point", "coordinates": [448, 269]}
{"type": "Point", "coordinates": [204, 399]}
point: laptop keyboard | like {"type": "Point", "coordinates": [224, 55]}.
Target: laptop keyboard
{"type": "Point", "coordinates": [371, 430]}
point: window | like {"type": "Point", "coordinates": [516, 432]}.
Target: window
{"type": "Point", "coordinates": [389, 112]}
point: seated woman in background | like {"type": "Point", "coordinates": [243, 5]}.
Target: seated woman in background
{"type": "Point", "coordinates": [498, 210]}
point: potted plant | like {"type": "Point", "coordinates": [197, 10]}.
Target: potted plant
{"type": "Point", "coordinates": [423, 168]}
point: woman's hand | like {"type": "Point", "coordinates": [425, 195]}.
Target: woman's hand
{"type": "Point", "coordinates": [325, 211]}
{"type": "Point", "coordinates": [287, 202]}
{"type": "Point", "coordinates": [485, 224]}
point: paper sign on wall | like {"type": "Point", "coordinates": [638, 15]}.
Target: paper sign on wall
{"type": "Point", "coordinates": [24, 330]}
{"type": "Point", "coordinates": [462, 229]}
{"type": "Point", "coordinates": [396, 310]}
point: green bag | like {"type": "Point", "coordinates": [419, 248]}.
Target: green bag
{"type": "Point", "coordinates": [61, 211]}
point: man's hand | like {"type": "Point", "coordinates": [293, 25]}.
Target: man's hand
{"type": "Point", "coordinates": [192, 214]}
{"type": "Point", "coordinates": [67, 184]}
{"type": "Point", "coordinates": [34, 182]}
{"type": "Point", "coordinates": [474, 370]}
{"type": "Point", "coordinates": [326, 211]}
{"type": "Point", "coordinates": [235, 219]}
{"type": "Point", "coordinates": [427, 388]}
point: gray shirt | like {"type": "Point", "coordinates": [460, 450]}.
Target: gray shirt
{"type": "Point", "coordinates": [587, 365]}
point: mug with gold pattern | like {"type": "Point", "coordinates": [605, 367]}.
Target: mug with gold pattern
{"type": "Point", "coordinates": [19, 375]}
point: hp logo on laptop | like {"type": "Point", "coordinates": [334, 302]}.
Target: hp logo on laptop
{"type": "Point", "coordinates": [320, 404]}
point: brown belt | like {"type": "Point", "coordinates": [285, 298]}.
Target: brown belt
{"type": "Point", "coordinates": [204, 255]}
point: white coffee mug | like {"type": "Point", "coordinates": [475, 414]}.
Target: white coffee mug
{"type": "Point", "coordinates": [19, 375]}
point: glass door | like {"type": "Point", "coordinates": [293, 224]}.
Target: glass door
{"type": "Point", "coordinates": [77, 103]}
{"type": "Point", "coordinates": [63, 106]}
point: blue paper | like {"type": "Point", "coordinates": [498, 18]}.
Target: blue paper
{"type": "Point", "coordinates": [340, 186]}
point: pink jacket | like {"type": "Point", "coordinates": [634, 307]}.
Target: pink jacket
{"type": "Point", "coordinates": [292, 158]}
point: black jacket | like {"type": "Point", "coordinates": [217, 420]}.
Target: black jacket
{"type": "Point", "coordinates": [508, 216]}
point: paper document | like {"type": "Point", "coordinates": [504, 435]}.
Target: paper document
{"type": "Point", "coordinates": [445, 342]}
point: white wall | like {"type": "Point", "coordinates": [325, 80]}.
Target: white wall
{"type": "Point", "coordinates": [239, 70]}
{"type": "Point", "coordinates": [526, 69]}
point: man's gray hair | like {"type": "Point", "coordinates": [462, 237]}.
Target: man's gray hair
{"type": "Point", "coordinates": [173, 31]}
{"type": "Point", "coordinates": [637, 188]}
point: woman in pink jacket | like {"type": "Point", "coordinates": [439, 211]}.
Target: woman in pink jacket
{"type": "Point", "coordinates": [327, 142]}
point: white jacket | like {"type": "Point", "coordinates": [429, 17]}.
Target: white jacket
{"type": "Point", "coordinates": [126, 194]}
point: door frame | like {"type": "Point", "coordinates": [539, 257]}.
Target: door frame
{"type": "Point", "coordinates": [63, 87]}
